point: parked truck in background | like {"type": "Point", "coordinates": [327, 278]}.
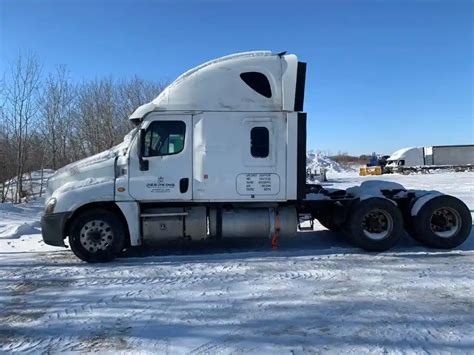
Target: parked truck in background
{"type": "Point", "coordinates": [221, 153]}
{"type": "Point", "coordinates": [434, 157]}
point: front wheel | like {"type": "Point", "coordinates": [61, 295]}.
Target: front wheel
{"type": "Point", "coordinates": [97, 235]}
{"type": "Point", "coordinates": [443, 222]}
{"type": "Point", "coordinates": [375, 224]}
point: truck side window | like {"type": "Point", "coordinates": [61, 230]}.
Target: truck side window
{"type": "Point", "coordinates": [259, 142]}
{"type": "Point", "coordinates": [164, 138]}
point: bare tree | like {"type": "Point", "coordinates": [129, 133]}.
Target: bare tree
{"type": "Point", "coordinates": [103, 107]}
{"type": "Point", "coordinates": [136, 92]}
{"type": "Point", "coordinates": [56, 106]}
{"type": "Point", "coordinates": [50, 123]}
{"type": "Point", "coordinates": [20, 109]}
{"type": "Point", "coordinates": [6, 159]}
{"type": "Point", "coordinates": [95, 116]}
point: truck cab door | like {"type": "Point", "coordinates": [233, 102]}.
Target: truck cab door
{"type": "Point", "coordinates": [165, 172]}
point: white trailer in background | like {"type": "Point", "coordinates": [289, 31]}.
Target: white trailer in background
{"type": "Point", "coordinates": [449, 155]}
{"type": "Point", "coordinates": [221, 153]}
{"type": "Point", "coordinates": [458, 157]}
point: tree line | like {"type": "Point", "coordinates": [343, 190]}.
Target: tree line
{"type": "Point", "coordinates": [48, 121]}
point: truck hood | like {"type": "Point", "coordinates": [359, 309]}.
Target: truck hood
{"type": "Point", "coordinates": [99, 166]}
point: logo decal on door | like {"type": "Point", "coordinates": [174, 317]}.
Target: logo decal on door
{"type": "Point", "coordinates": [161, 186]}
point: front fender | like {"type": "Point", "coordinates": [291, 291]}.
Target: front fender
{"type": "Point", "coordinates": [75, 194]}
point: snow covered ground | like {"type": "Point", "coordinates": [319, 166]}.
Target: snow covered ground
{"type": "Point", "coordinates": [315, 294]}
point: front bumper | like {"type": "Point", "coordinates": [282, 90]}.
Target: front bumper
{"type": "Point", "coordinates": [53, 228]}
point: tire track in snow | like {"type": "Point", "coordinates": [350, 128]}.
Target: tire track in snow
{"type": "Point", "coordinates": [231, 297]}
{"type": "Point", "coordinates": [159, 285]}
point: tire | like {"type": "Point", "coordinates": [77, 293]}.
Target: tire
{"type": "Point", "coordinates": [444, 222]}
{"type": "Point", "coordinates": [329, 224]}
{"type": "Point", "coordinates": [97, 236]}
{"type": "Point", "coordinates": [375, 224]}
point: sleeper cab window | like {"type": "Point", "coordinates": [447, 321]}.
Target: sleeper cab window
{"type": "Point", "coordinates": [164, 138]}
{"type": "Point", "coordinates": [258, 82]}
{"type": "Point", "coordinates": [259, 142]}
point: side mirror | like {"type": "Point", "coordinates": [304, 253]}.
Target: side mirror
{"type": "Point", "coordinates": [141, 149]}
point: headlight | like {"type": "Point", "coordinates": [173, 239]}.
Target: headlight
{"type": "Point", "coordinates": [49, 207]}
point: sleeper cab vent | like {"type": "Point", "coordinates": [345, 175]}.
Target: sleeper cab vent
{"type": "Point", "coordinates": [258, 82]}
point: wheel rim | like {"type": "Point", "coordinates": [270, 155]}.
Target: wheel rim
{"type": "Point", "coordinates": [377, 224]}
{"type": "Point", "coordinates": [445, 222]}
{"type": "Point", "coordinates": [96, 236]}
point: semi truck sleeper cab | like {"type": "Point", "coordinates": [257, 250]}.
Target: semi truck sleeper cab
{"type": "Point", "coordinates": [221, 153]}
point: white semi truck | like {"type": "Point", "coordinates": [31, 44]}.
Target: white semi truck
{"type": "Point", "coordinates": [433, 157]}
{"type": "Point", "coordinates": [221, 153]}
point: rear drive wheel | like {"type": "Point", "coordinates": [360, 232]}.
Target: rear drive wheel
{"type": "Point", "coordinates": [375, 224]}
{"type": "Point", "coordinates": [97, 235]}
{"type": "Point", "coordinates": [443, 222]}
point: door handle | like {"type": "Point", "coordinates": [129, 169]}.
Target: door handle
{"type": "Point", "coordinates": [183, 185]}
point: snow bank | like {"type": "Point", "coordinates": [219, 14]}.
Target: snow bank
{"type": "Point", "coordinates": [34, 184]}
{"type": "Point", "coordinates": [16, 231]}
{"type": "Point", "coordinates": [315, 161]}
{"type": "Point", "coordinates": [20, 227]}
{"type": "Point", "coordinates": [21, 219]}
